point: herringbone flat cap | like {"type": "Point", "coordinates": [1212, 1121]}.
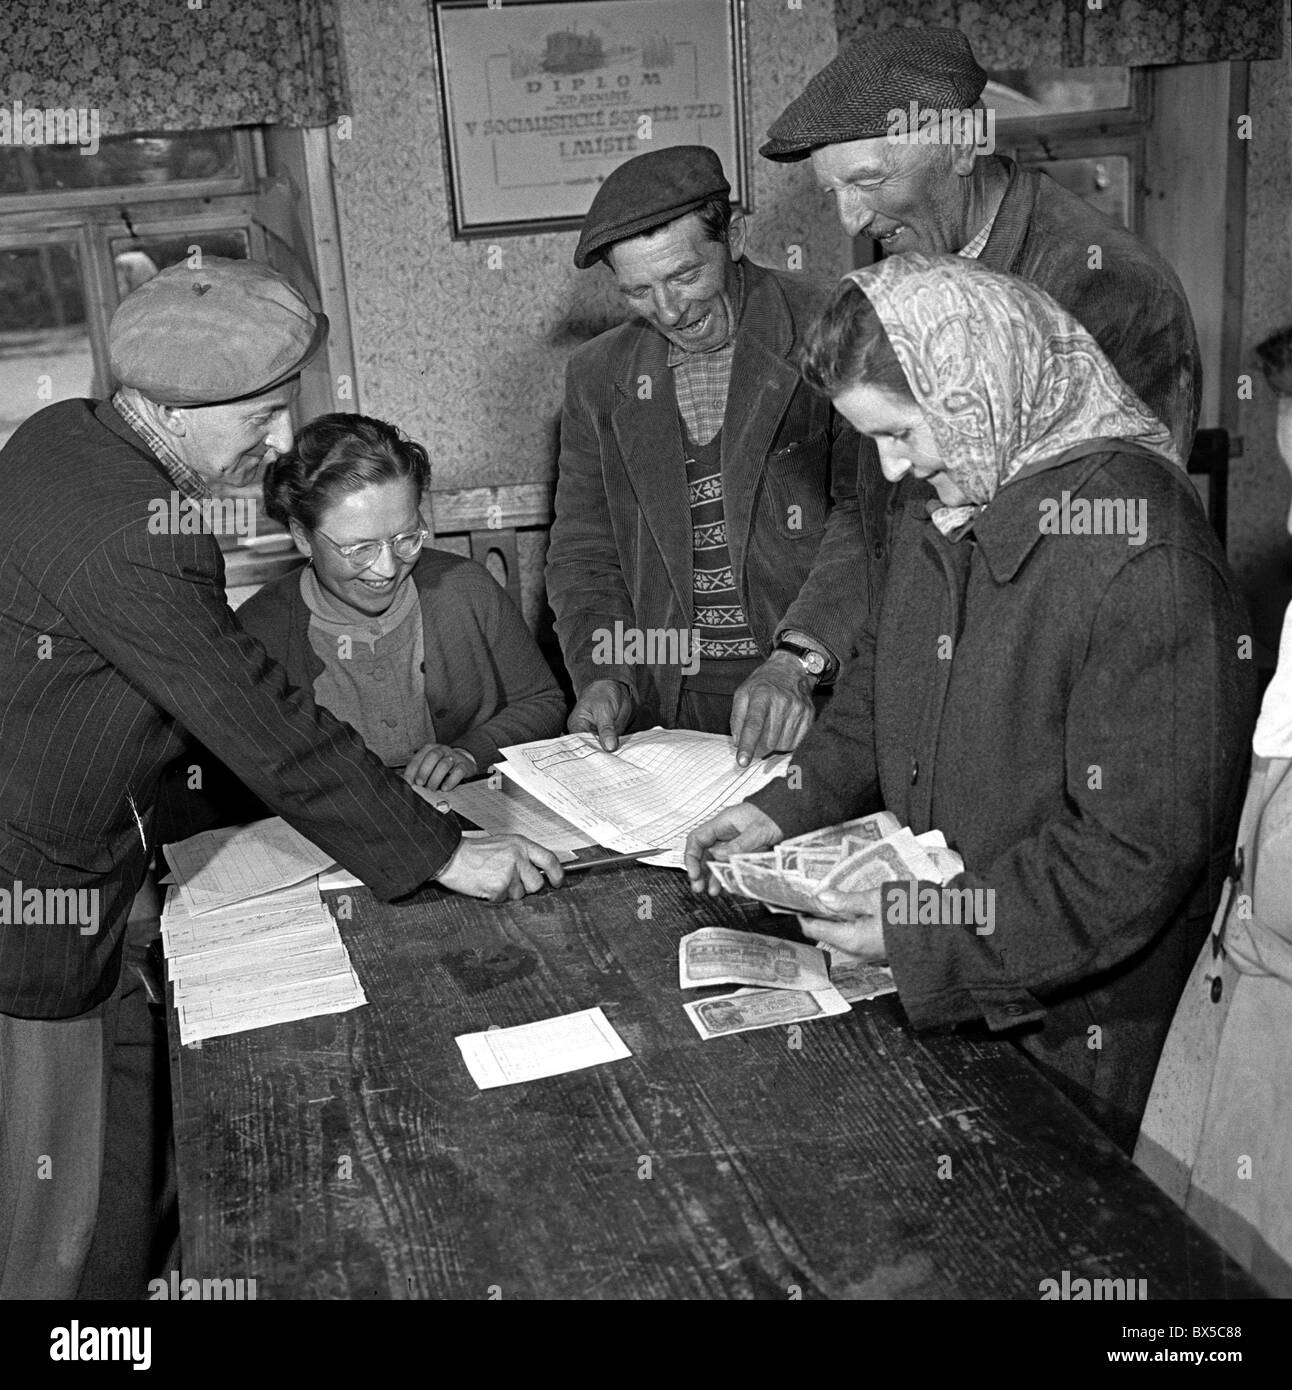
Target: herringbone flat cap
{"type": "Point", "coordinates": [850, 98]}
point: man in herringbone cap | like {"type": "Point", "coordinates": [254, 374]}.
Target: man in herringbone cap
{"type": "Point", "coordinates": [893, 130]}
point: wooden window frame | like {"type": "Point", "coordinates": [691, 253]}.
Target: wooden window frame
{"type": "Point", "coordinates": [247, 150]}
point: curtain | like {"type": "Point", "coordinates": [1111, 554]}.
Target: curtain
{"type": "Point", "coordinates": [152, 65]}
{"type": "Point", "coordinates": [1073, 34]}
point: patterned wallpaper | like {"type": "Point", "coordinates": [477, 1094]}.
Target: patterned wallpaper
{"type": "Point", "coordinates": [470, 359]}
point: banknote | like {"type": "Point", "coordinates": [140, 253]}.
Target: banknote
{"type": "Point", "coordinates": [857, 980]}
{"type": "Point", "coordinates": [812, 862]}
{"type": "Point", "coordinates": [723, 956]}
{"type": "Point", "coordinates": [721, 871]}
{"type": "Point", "coordinates": [895, 858]}
{"type": "Point", "coordinates": [867, 829]}
{"type": "Point", "coordinates": [854, 857]}
{"type": "Point", "coordinates": [746, 1010]}
{"type": "Point", "coordinates": [947, 862]}
{"type": "Point", "coordinates": [770, 885]}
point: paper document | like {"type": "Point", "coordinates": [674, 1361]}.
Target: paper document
{"type": "Point", "coordinates": [262, 961]}
{"type": "Point", "coordinates": [654, 790]}
{"type": "Point", "coordinates": [502, 1056]}
{"type": "Point", "coordinates": [508, 809]}
{"type": "Point", "coordinates": [220, 867]}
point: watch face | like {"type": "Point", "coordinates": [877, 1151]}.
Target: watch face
{"type": "Point", "coordinates": [813, 662]}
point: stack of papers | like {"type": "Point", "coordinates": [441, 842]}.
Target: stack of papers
{"type": "Point", "coordinates": [222, 867]}
{"type": "Point", "coordinates": [241, 953]}
{"type": "Point", "coordinates": [652, 792]}
{"type": "Point", "coordinates": [264, 961]}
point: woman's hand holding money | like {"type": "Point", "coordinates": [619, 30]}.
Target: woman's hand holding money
{"type": "Point", "coordinates": [862, 936]}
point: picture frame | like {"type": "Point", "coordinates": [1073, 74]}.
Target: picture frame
{"type": "Point", "coordinates": [541, 99]}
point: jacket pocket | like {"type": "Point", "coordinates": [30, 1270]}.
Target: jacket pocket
{"type": "Point", "coordinates": [50, 856]}
{"type": "Point", "coordinates": [797, 487]}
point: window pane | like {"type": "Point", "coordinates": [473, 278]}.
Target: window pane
{"type": "Point", "coordinates": [1050, 91]}
{"type": "Point", "coordinates": [44, 343]}
{"type": "Point", "coordinates": [139, 258]}
{"type": "Point", "coordinates": [1103, 182]}
{"type": "Point", "coordinates": [121, 160]}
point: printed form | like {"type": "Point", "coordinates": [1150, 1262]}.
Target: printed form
{"type": "Point", "coordinates": [653, 791]}
{"type": "Point", "coordinates": [510, 810]}
{"type": "Point", "coordinates": [530, 1051]}
{"type": "Point", "coordinates": [220, 867]}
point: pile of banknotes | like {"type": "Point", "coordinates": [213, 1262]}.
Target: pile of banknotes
{"type": "Point", "coordinates": [849, 858]}
{"type": "Point", "coordinates": [785, 981]}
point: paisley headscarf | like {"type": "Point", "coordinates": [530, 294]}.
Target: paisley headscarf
{"type": "Point", "coordinates": [1006, 378]}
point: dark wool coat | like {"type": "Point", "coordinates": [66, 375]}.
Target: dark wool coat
{"type": "Point", "coordinates": [1073, 712]}
{"type": "Point", "coordinates": [1116, 286]}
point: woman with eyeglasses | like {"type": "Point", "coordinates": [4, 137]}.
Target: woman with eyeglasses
{"type": "Point", "coordinates": [417, 649]}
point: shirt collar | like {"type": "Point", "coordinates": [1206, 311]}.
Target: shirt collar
{"type": "Point", "coordinates": [188, 483]}
{"type": "Point", "coordinates": [973, 248]}
{"type": "Point", "coordinates": [334, 616]}
{"type": "Point", "coordinates": [677, 355]}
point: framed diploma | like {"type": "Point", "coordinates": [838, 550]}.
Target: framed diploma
{"type": "Point", "coordinates": [541, 99]}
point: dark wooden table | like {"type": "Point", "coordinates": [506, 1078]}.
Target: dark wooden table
{"type": "Point", "coordinates": [352, 1156]}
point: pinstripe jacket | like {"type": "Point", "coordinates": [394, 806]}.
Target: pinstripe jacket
{"type": "Point", "coordinates": [115, 641]}
{"type": "Point", "coordinates": [621, 547]}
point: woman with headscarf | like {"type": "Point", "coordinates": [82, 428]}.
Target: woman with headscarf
{"type": "Point", "coordinates": [1055, 679]}
{"type": "Point", "coordinates": [1217, 1132]}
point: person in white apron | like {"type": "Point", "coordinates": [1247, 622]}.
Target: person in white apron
{"type": "Point", "coordinates": [1217, 1133]}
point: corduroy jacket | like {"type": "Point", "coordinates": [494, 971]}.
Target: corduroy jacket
{"type": "Point", "coordinates": [621, 545]}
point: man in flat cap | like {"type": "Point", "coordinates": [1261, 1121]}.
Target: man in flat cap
{"type": "Point", "coordinates": [117, 643]}
{"type": "Point", "coordinates": [696, 473]}
{"type": "Point", "coordinates": [910, 193]}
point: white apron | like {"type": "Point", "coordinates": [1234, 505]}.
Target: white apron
{"type": "Point", "coordinates": [1217, 1133]}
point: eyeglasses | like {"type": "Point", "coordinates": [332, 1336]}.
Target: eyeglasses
{"type": "Point", "coordinates": [366, 553]}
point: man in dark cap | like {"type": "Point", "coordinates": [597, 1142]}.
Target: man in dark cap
{"type": "Point", "coordinates": [117, 641]}
{"type": "Point", "coordinates": [908, 192]}
{"type": "Point", "coordinates": [696, 473]}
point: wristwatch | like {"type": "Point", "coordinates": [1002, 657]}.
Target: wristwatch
{"type": "Point", "coordinates": [814, 663]}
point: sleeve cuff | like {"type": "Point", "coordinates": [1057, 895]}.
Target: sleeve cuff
{"type": "Point", "coordinates": [481, 747]}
